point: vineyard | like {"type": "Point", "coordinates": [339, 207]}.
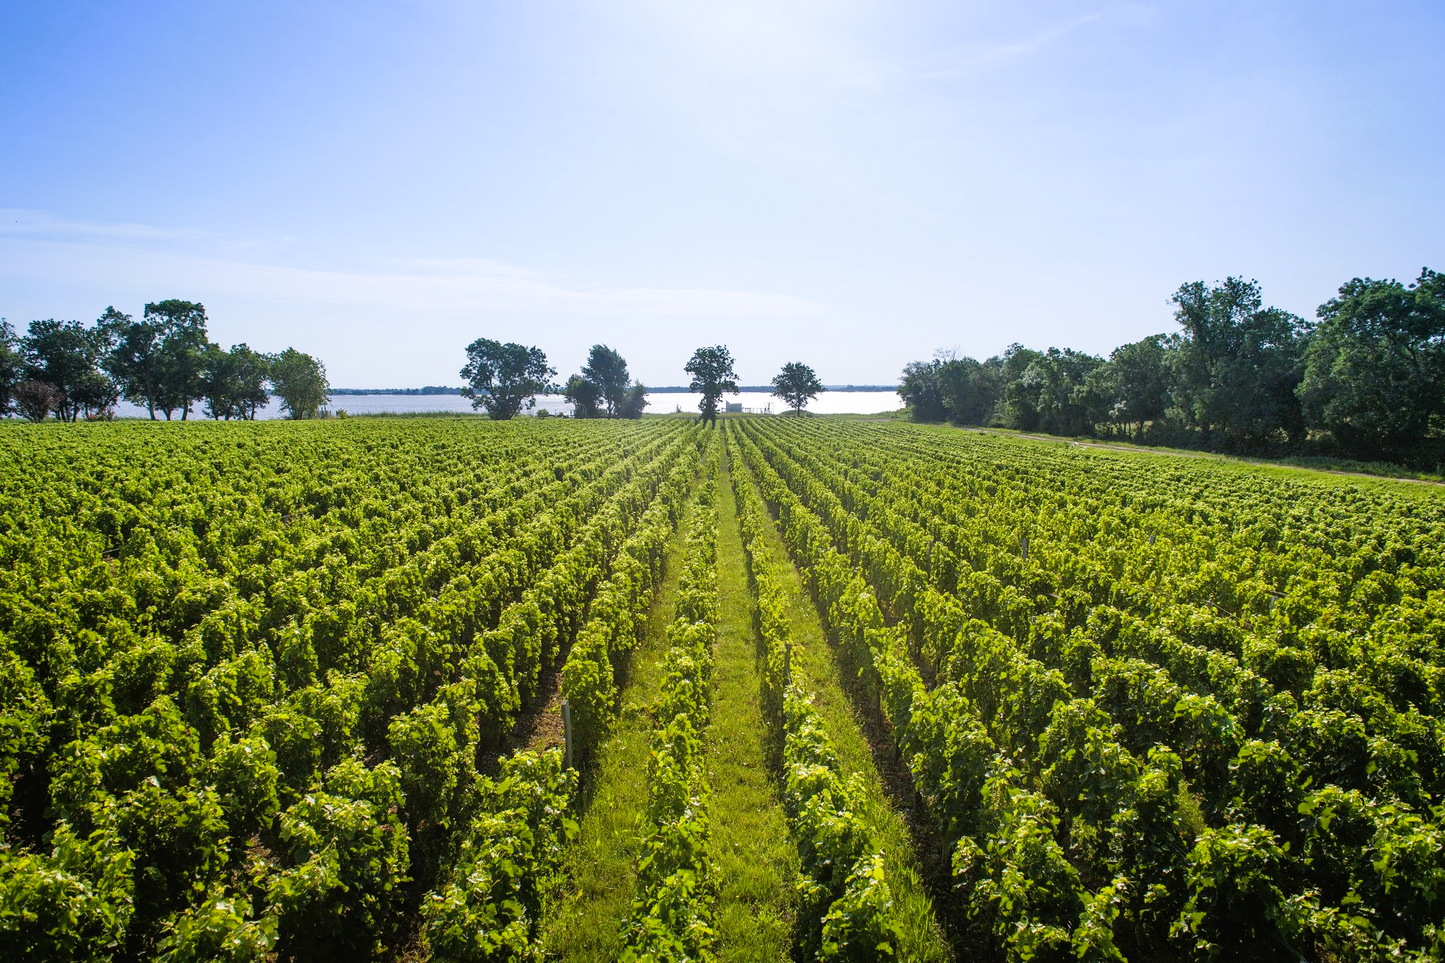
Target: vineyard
{"type": "Point", "coordinates": [832, 689]}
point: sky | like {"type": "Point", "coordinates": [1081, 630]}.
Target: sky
{"type": "Point", "coordinates": [850, 184]}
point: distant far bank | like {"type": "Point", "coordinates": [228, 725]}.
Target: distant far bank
{"type": "Point", "coordinates": [669, 390]}
{"type": "Point", "coordinates": [768, 389]}
{"type": "Point", "coordinates": [428, 390]}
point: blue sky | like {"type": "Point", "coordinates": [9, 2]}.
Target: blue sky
{"type": "Point", "coordinates": [851, 184]}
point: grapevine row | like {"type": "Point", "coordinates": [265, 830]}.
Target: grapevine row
{"type": "Point", "coordinates": [847, 905]}
{"type": "Point", "coordinates": [224, 772]}
{"type": "Point", "coordinates": [1168, 893]}
{"type": "Point", "coordinates": [672, 915]}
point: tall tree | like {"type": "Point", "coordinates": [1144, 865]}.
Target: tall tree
{"type": "Point", "coordinates": [1051, 392]}
{"type": "Point", "coordinates": [12, 367]}
{"type": "Point", "coordinates": [634, 403]}
{"type": "Point", "coordinates": [969, 390]}
{"type": "Point", "coordinates": [797, 385]}
{"type": "Point", "coordinates": [1136, 380]}
{"type": "Point", "coordinates": [299, 380]}
{"type": "Point", "coordinates": [1238, 366]}
{"type": "Point", "coordinates": [135, 359]}
{"type": "Point", "coordinates": [250, 370]}
{"type": "Point", "coordinates": [67, 356]}
{"type": "Point", "coordinates": [501, 378]}
{"type": "Point", "coordinates": [603, 387]}
{"type": "Point", "coordinates": [712, 374]}
{"type": "Point", "coordinates": [921, 389]}
{"type": "Point", "coordinates": [608, 371]}
{"type": "Point", "coordinates": [180, 354]}
{"type": "Point", "coordinates": [233, 383]}
{"type": "Point", "coordinates": [1375, 369]}
{"type": "Point", "coordinates": [584, 395]}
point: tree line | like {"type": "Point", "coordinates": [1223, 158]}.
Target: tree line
{"type": "Point", "coordinates": [1365, 379]}
{"type": "Point", "coordinates": [503, 379]}
{"type": "Point", "coordinates": [164, 363]}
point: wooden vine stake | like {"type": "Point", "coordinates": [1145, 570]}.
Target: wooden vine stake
{"type": "Point", "coordinates": [1024, 543]}
{"type": "Point", "coordinates": [567, 730]}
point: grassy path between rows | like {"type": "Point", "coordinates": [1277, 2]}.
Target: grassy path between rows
{"type": "Point", "coordinates": [814, 661]}
{"type": "Point", "coordinates": [602, 863]}
{"type": "Point", "coordinates": [754, 861]}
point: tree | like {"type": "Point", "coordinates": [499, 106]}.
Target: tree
{"type": "Point", "coordinates": [67, 356]}
{"type": "Point", "coordinates": [712, 374]}
{"type": "Point", "coordinates": [35, 400]}
{"type": "Point", "coordinates": [1238, 366]}
{"type": "Point", "coordinates": [603, 387]}
{"type": "Point", "coordinates": [1051, 395]}
{"type": "Point", "coordinates": [299, 380]}
{"type": "Point", "coordinates": [216, 383]}
{"type": "Point", "coordinates": [233, 383]}
{"type": "Point", "coordinates": [12, 367]}
{"type": "Point", "coordinates": [1018, 405]}
{"type": "Point", "coordinates": [922, 391]}
{"type": "Point", "coordinates": [179, 355]}
{"type": "Point", "coordinates": [608, 371]}
{"type": "Point", "coordinates": [584, 396]}
{"type": "Point", "coordinates": [969, 389]}
{"type": "Point", "coordinates": [796, 384]}
{"type": "Point", "coordinates": [135, 361]}
{"type": "Point", "coordinates": [1375, 370]}
{"type": "Point", "coordinates": [1136, 381]}
{"type": "Point", "coordinates": [634, 402]}
{"type": "Point", "coordinates": [250, 370]}
{"type": "Point", "coordinates": [501, 378]}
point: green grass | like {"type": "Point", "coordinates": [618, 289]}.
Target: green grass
{"type": "Point", "coordinates": [753, 860]}
{"type": "Point", "coordinates": [1302, 467]}
{"type": "Point", "coordinates": [814, 661]}
{"type": "Point", "coordinates": [602, 864]}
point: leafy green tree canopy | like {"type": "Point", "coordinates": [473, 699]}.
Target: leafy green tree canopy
{"type": "Point", "coordinates": [712, 375]}
{"type": "Point", "coordinates": [797, 385]}
{"type": "Point", "coordinates": [135, 360]}
{"type": "Point", "coordinates": [634, 402]}
{"type": "Point", "coordinates": [603, 387]}
{"type": "Point", "coordinates": [1135, 383]}
{"type": "Point", "coordinates": [179, 355]}
{"type": "Point", "coordinates": [584, 395]}
{"type": "Point", "coordinates": [66, 356]}
{"type": "Point", "coordinates": [1051, 394]}
{"type": "Point", "coordinates": [233, 383]}
{"type": "Point", "coordinates": [922, 391]}
{"type": "Point", "coordinates": [1238, 365]}
{"type": "Point", "coordinates": [961, 390]}
{"type": "Point", "coordinates": [12, 366]}
{"type": "Point", "coordinates": [502, 378]}
{"type": "Point", "coordinates": [1375, 368]}
{"type": "Point", "coordinates": [299, 380]}
{"type": "Point", "coordinates": [608, 371]}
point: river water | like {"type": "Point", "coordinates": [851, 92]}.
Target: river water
{"type": "Point", "coordinates": [827, 403]}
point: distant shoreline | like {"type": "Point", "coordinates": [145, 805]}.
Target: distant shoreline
{"type": "Point", "coordinates": [670, 390]}
{"type": "Point", "coordinates": [428, 390]}
{"type": "Point", "coordinates": [768, 389]}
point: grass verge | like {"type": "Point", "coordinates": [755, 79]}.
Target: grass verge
{"type": "Point", "coordinates": [754, 861]}
{"type": "Point", "coordinates": [814, 661]}
{"type": "Point", "coordinates": [602, 865]}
